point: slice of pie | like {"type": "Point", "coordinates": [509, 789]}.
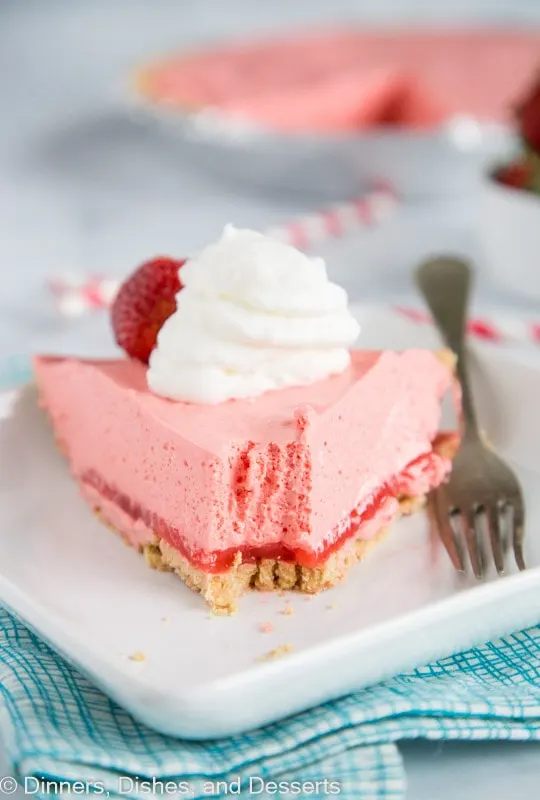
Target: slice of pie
{"type": "Point", "coordinates": [243, 444]}
{"type": "Point", "coordinates": [282, 491]}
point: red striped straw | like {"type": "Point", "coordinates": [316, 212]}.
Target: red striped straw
{"type": "Point", "coordinates": [338, 221]}
{"type": "Point", "coordinates": [76, 294]}
{"type": "Point", "coordinates": [499, 329]}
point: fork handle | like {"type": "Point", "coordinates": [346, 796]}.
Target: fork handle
{"type": "Point", "coordinates": [445, 283]}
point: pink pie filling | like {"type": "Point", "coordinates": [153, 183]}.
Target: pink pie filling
{"type": "Point", "coordinates": [290, 475]}
{"type": "Point", "coordinates": [139, 526]}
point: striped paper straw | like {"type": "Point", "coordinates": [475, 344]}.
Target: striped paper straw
{"type": "Point", "coordinates": [76, 294]}
{"type": "Point", "coordinates": [497, 327]}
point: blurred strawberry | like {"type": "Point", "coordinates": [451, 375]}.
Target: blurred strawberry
{"type": "Point", "coordinates": [143, 303]}
{"type": "Point", "coordinates": [528, 115]}
{"type": "Point", "coordinates": [516, 175]}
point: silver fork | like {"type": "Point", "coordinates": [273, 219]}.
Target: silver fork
{"type": "Point", "coordinates": [482, 498]}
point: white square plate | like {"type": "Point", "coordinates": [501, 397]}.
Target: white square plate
{"type": "Point", "coordinates": [96, 602]}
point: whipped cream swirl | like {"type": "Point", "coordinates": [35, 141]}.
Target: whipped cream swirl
{"type": "Point", "coordinates": [255, 314]}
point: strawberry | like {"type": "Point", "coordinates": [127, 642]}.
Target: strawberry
{"type": "Point", "coordinates": [143, 303]}
{"type": "Point", "coordinates": [516, 175]}
{"type": "Point", "coordinates": [528, 115]}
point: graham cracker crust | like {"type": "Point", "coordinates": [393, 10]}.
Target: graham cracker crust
{"type": "Point", "coordinates": [221, 591]}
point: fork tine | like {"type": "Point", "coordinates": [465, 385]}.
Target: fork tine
{"type": "Point", "coordinates": [518, 529]}
{"type": "Point", "coordinates": [439, 508]}
{"type": "Point", "coordinates": [471, 537]}
{"type": "Point", "coordinates": [493, 521]}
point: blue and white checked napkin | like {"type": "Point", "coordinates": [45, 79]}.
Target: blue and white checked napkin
{"type": "Point", "coordinates": [57, 727]}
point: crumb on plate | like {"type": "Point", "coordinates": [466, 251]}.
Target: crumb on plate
{"type": "Point", "coordinates": [266, 627]}
{"type": "Point", "coordinates": [277, 652]}
{"type": "Point", "coordinates": [138, 656]}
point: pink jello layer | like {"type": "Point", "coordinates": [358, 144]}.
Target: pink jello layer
{"type": "Point", "coordinates": [283, 470]}
{"type": "Point", "coordinates": [139, 526]}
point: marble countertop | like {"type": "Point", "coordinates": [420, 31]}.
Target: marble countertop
{"type": "Point", "coordinates": [82, 187]}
